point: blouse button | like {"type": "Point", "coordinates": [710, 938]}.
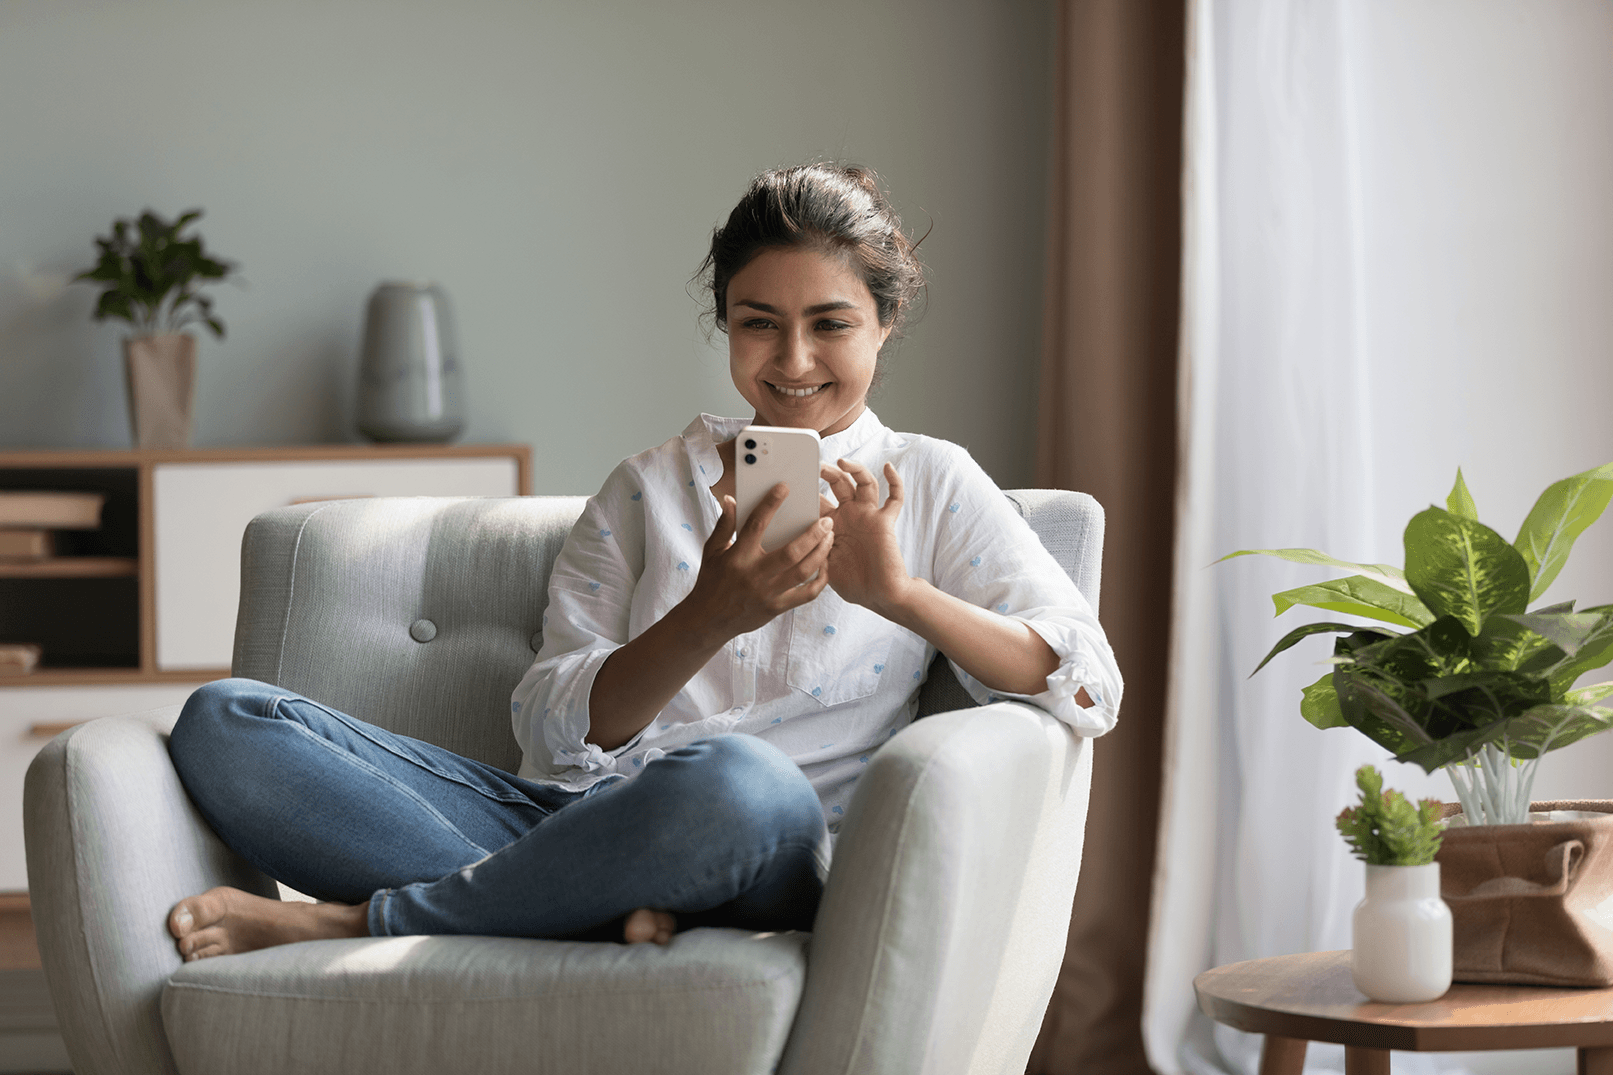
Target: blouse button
{"type": "Point", "coordinates": [422, 630]}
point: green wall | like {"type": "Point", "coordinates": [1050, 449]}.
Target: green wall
{"type": "Point", "coordinates": [557, 166]}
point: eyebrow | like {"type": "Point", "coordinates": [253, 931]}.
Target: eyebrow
{"type": "Point", "coordinates": [820, 308]}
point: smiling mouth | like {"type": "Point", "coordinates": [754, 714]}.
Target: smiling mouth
{"type": "Point", "coordinates": [797, 393]}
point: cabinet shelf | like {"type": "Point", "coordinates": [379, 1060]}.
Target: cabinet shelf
{"type": "Point", "coordinates": [71, 567]}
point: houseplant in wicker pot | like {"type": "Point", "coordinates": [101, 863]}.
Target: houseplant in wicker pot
{"type": "Point", "coordinates": [1460, 673]}
{"type": "Point", "coordinates": [150, 272]}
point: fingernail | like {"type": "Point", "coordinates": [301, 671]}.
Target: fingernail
{"type": "Point", "coordinates": [184, 920]}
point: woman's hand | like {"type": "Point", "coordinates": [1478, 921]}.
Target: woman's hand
{"type": "Point", "coordinates": [741, 587]}
{"type": "Point", "coordinates": [865, 565]}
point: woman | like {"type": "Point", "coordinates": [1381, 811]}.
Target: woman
{"type": "Point", "coordinates": [701, 707]}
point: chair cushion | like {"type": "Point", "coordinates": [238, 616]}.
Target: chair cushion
{"type": "Point", "coordinates": [714, 1000]}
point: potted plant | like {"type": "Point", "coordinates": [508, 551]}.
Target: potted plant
{"type": "Point", "coordinates": [1400, 950]}
{"type": "Point", "coordinates": [1464, 675]}
{"type": "Point", "coordinates": [151, 272]}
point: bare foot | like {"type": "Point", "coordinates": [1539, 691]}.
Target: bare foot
{"type": "Point", "coordinates": [645, 924]}
{"type": "Point", "coordinates": [225, 920]}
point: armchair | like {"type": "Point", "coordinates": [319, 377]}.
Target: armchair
{"type": "Point", "coordinates": [935, 949]}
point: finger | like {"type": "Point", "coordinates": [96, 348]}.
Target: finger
{"type": "Point", "coordinates": [762, 514]}
{"type": "Point", "coordinates": [804, 543]}
{"type": "Point", "coordinates": [867, 486]}
{"type": "Point", "coordinates": [722, 535]}
{"type": "Point", "coordinates": [814, 575]}
{"type": "Point", "coordinates": [894, 497]}
{"type": "Point", "coordinates": [826, 507]}
{"type": "Point", "coordinates": [839, 484]}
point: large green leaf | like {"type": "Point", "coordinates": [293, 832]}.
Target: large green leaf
{"type": "Point", "coordinates": [1594, 652]}
{"type": "Point", "coordinates": [1300, 633]}
{"type": "Point", "coordinates": [1460, 502]}
{"type": "Point", "coordinates": [1319, 704]}
{"type": "Point", "coordinates": [1439, 649]}
{"type": "Point", "coordinates": [1561, 514]}
{"type": "Point", "coordinates": [1567, 630]}
{"type": "Point", "coordinates": [1387, 572]}
{"type": "Point", "coordinates": [1453, 747]}
{"type": "Point", "coordinates": [1371, 710]}
{"type": "Point", "coordinates": [1463, 568]}
{"type": "Point", "coordinates": [1589, 695]}
{"type": "Point", "coordinates": [1550, 727]}
{"type": "Point", "coordinates": [1475, 699]}
{"type": "Point", "coordinates": [1358, 595]}
{"type": "Point", "coordinates": [1507, 645]}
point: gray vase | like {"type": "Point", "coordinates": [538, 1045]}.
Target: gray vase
{"type": "Point", "coordinates": [409, 386]}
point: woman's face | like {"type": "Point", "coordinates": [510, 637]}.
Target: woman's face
{"type": "Point", "coordinates": [803, 338]}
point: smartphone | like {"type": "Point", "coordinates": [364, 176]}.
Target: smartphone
{"type": "Point", "coordinates": [765, 456]}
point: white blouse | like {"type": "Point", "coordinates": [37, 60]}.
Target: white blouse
{"type": "Point", "coordinates": [826, 683]}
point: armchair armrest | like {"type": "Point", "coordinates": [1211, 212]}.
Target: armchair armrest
{"type": "Point", "coordinates": [113, 843]}
{"type": "Point", "coordinates": [943, 923]}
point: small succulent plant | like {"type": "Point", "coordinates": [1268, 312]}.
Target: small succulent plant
{"type": "Point", "coordinates": [1385, 829]}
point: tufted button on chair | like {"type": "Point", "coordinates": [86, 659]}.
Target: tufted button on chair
{"type": "Point", "coordinates": [935, 950]}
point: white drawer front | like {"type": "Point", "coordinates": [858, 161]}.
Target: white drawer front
{"type": "Point", "coordinates": [201, 511]}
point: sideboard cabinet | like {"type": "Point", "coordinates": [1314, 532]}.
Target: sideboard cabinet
{"type": "Point", "coordinates": [151, 595]}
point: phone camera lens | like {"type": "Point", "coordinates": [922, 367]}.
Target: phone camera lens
{"type": "Point", "coordinates": [750, 444]}
{"type": "Point", "coordinates": [750, 458]}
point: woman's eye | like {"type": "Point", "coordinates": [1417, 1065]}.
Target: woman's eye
{"type": "Point", "coordinates": [758, 323]}
{"type": "Point", "coordinates": [832, 326]}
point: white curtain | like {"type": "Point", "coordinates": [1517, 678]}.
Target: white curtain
{"type": "Point", "coordinates": [1398, 248]}
{"type": "Point", "coordinates": [1278, 452]}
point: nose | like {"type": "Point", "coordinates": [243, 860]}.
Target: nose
{"type": "Point", "coordinates": [795, 358]}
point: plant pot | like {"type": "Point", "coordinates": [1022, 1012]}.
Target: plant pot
{"type": "Point", "coordinates": [1531, 902]}
{"type": "Point", "coordinates": [162, 388]}
{"type": "Point", "coordinates": [1401, 936]}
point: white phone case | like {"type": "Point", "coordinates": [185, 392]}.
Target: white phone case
{"type": "Point", "coordinates": [767, 455]}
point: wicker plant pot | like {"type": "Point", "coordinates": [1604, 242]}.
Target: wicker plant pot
{"type": "Point", "coordinates": [162, 388]}
{"type": "Point", "coordinates": [1531, 903]}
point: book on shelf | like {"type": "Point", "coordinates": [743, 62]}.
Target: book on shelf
{"type": "Point", "coordinates": [18, 658]}
{"type": "Point", "coordinates": [31, 543]}
{"type": "Point", "coordinates": [28, 508]}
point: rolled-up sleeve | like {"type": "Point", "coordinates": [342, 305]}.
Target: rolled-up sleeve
{"type": "Point", "coordinates": [590, 598]}
{"type": "Point", "coordinates": [989, 556]}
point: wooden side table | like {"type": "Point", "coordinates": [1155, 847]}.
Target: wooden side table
{"type": "Point", "coordinates": [1297, 999]}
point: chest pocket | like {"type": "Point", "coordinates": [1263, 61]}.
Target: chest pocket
{"type": "Point", "coordinates": [838, 651]}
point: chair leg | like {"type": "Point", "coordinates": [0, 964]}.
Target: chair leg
{"type": "Point", "coordinates": [1282, 1056]}
{"type": "Point", "coordinates": [1359, 1060]}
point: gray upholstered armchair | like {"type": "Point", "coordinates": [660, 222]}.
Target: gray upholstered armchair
{"type": "Point", "coordinates": [935, 950]}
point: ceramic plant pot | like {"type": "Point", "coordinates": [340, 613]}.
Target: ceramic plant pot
{"type": "Point", "coordinates": [161, 374]}
{"type": "Point", "coordinates": [409, 381]}
{"type": "Point", "coordinates": [1401, 936]}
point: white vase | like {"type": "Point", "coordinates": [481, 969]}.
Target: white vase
{"type": "Point", "coordinates": [1401, 936]}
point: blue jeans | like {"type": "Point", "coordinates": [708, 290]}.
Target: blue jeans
{"type": "Point", "coordinates": [725, 831]}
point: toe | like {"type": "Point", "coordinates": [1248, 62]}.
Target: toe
{"type": "Point", "coordinates": [180, 920]}
{"type": "Point", "coordinates": [210, 941]}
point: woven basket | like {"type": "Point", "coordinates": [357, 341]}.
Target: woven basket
{"type": "Point", "coordinates": [1532, 904]}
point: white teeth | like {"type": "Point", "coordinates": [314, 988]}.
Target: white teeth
{"type": "Point", "coordinates": [798, 391]}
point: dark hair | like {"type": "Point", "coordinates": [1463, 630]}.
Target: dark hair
{"type": "Point", "coordinates": [838, 208]}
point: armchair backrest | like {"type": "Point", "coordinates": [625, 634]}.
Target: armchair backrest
{"type": "Point", "coordinates": [420, 614]}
